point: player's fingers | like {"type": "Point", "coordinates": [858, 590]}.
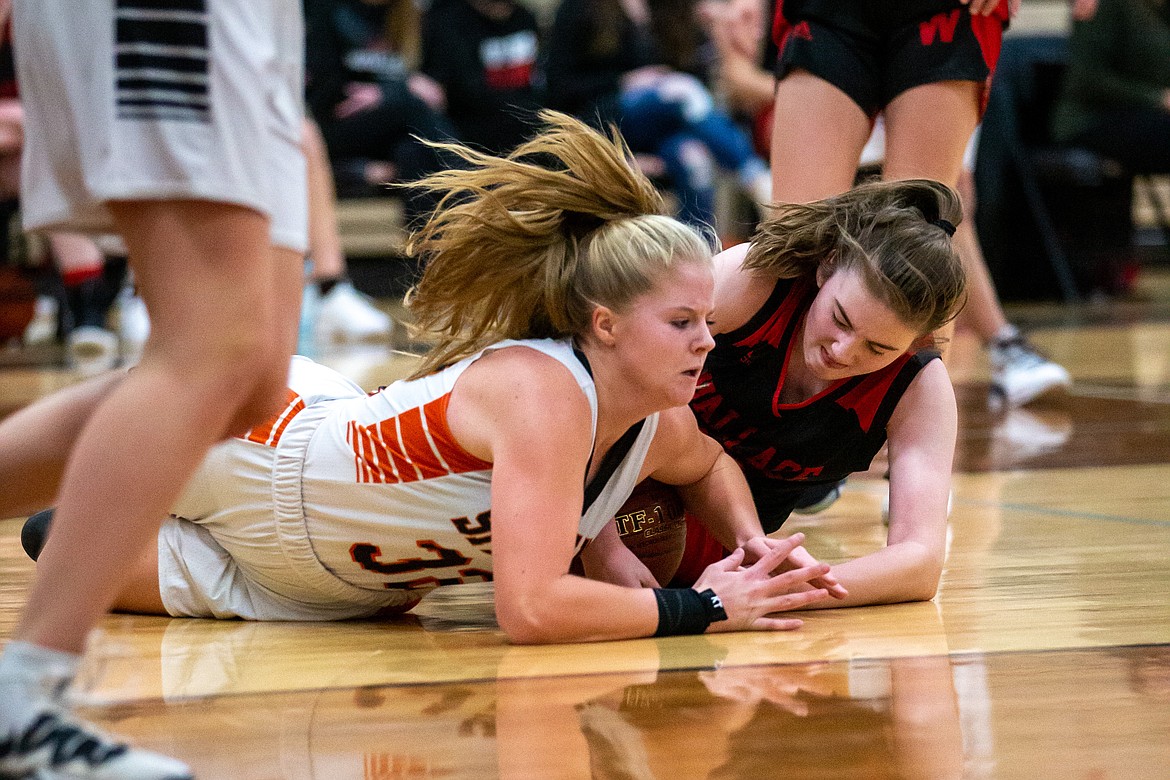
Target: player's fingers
{"type": "Point", "coordinates": [791, 601]}
{"type": "Point", "coordinates": [831, 584]}
{"type": "Point", "coordinates": [780, 549]}
{"type": "Point", "coordinates": [776, 624]}
{"type": "Point", "coordinates": [796, 577]}
{"type": "Point", "coordinates": [732, 561]}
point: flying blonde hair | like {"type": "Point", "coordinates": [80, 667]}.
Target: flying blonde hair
{"type": "Point", "coordinates": [528, 245]}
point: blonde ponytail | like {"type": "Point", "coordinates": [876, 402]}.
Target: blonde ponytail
{"type": "Point", "coordinates": [525, 246]}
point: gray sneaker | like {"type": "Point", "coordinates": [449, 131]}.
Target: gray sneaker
{"type": "Point", "coordinates": [818, 498]}
{"type": "Point", "coordinates": [1020, 374]}
{"type": "Point", "coordinates": [56, 746]}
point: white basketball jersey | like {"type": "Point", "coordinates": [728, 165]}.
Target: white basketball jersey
{"type": "Point", "coordinates": [392, 501]}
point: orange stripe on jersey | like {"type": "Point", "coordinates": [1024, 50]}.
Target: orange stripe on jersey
{"type": "Point", "coordinates": [412, 446]}
{"type": "Point", "coordinates": [381, 452]}
{"type": "Point", "coordinates": [269, 432]}
{"type": "Point", "coordinates": [457, 459]}
{"type": "Point", "coordinates": [369, 466]}
{"type": "Point", "coordinates": [388, 431]}
{"type": "Point", "coordinates": [418, 445]}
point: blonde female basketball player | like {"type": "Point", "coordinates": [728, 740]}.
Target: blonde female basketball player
{"type": "Point", "coordinates": [572, 326]}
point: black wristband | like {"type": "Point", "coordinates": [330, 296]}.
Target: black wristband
{"type": "Point", "coordinates": [686, 611]}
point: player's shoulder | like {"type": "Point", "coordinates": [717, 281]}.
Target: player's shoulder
{"type": "Point", "coordinates": [930, 391]}
{"type": "Point", "coordinates": [521, 373]}
{"type": "Point", "coordinates": [677, 432]}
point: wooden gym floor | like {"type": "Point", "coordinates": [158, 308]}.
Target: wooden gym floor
{"type": "Point", "coordinates": [1046, 653]}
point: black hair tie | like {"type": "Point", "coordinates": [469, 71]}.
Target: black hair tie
{"type": "Point", "coordinates": [579, 223]}
{"type": "Point", "coordinates": [947, 226]}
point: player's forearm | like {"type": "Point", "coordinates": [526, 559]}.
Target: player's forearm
{"type": "Point", "coordinates": [749, 87]}
{"type": "Point", "coordinates": [723, 501]}
{"type": "Point", "coordinates": [574, 609]}
{"type": "Point", "coordinates": [907, 571]}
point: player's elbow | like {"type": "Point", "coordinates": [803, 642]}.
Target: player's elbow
{"type": "Point", "coordinates": [524, 623]}
{"type": "Point", "coordinates": [924, 588]}
{"type": "Point", "coordinates": [922, 584]}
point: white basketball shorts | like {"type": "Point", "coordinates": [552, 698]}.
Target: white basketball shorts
{"type": "Point", "coordinates": [161, 100]}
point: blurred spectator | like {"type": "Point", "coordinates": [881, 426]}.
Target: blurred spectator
{"type": "Point", "coordinates": [745, 56]}
{"type": "Point", "coordinates": [637, 64]}
{"type": "Point", "coordinates": [484, 54]}
{"type": "Point", "coordinates": [364, 92]}
{"type": "Point", "coordinates": [1116, 97]}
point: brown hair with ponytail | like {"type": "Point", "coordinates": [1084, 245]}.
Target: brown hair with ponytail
{"type": "Point", "coordinates": [528, 245]}
{"type": "Point", "coordinates": [897, 234]}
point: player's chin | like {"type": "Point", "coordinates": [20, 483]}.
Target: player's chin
{"type": "Point", "coordinates": [682, 390]}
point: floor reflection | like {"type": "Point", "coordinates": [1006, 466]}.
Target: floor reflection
{"type": "Point", "coordinates": [1069, 431]}
{"type": "Point", "coordinates": [925, 717]}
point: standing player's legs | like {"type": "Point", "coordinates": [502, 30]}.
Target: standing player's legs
{"type": "Point", "coordinates": [215, 362]}
{"type": "Point", "coordinates": [334, 308]}
{"type": "Point", "coordinates": [983, 313]}
{"type": "Point", "coordinates": [927, 129]}
{"type": "Point", "coordinates": [817, 136]}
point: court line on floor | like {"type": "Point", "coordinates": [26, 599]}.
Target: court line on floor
{"type": "Point", "coordinates": [1114, 393]}
{"type": "Point", "coordinates": [1043, 510]}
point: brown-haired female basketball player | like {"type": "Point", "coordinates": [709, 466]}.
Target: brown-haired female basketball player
{"type": "Point", "coordinates": [819, 360]}
{"type": "Point", "coordinates": [571, 320]}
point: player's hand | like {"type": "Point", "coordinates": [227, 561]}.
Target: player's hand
{"type": "Point", "coordinates": [427, 90]}
{"type": "Point", "coordinates": [617, 565]}
{"type": "Point", "coordinates": [799, 558]}
{"type": "Point", "coordinates": [751, 593]}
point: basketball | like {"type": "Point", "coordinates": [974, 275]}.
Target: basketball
{"type": "Point", "coordinates": [653, 525]}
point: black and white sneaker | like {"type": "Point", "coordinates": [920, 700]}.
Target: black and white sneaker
{"type": "Point", "coordinates": [1020, 373]}
{"type": "Point", "coordinates": [56, 746]}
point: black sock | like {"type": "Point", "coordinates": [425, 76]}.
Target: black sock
{"type": "Point", "coordinates": [325, 286]}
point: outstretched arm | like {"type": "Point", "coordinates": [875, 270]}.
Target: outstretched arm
{"type": "Point", "coordinates": [922, 446]}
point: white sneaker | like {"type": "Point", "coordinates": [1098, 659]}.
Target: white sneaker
{"type": "Point", "coordinates": [92, 350]}
{"type": "Point", "coordinates": [1020, 374]}
{"type": "Point", "coordinates": [54, 745]}
{"type": "Point", "coordinates": [347, 315]}
{"type": "Point", "coordinates": [42, 328]}
{"type": "Point", "coordinates": [133, 326]}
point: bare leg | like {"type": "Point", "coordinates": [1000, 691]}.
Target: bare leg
{"type": "Point", "coordinates": [950, 110]}
{"type": "Point", "coordinates": [324, 238]}
{"type": "Point", "coordinates": [140, 592]}
{"type": "Point", "coordinates": [214, 364]}
{"type": "Point", "coordinates": [983, 313]}
{"type": "Point", "coordinates": [817, 138]}
{"type": "Point", "coordinates": [38, 440]}
{"type": "Point", "coordinates": [927, 129]}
